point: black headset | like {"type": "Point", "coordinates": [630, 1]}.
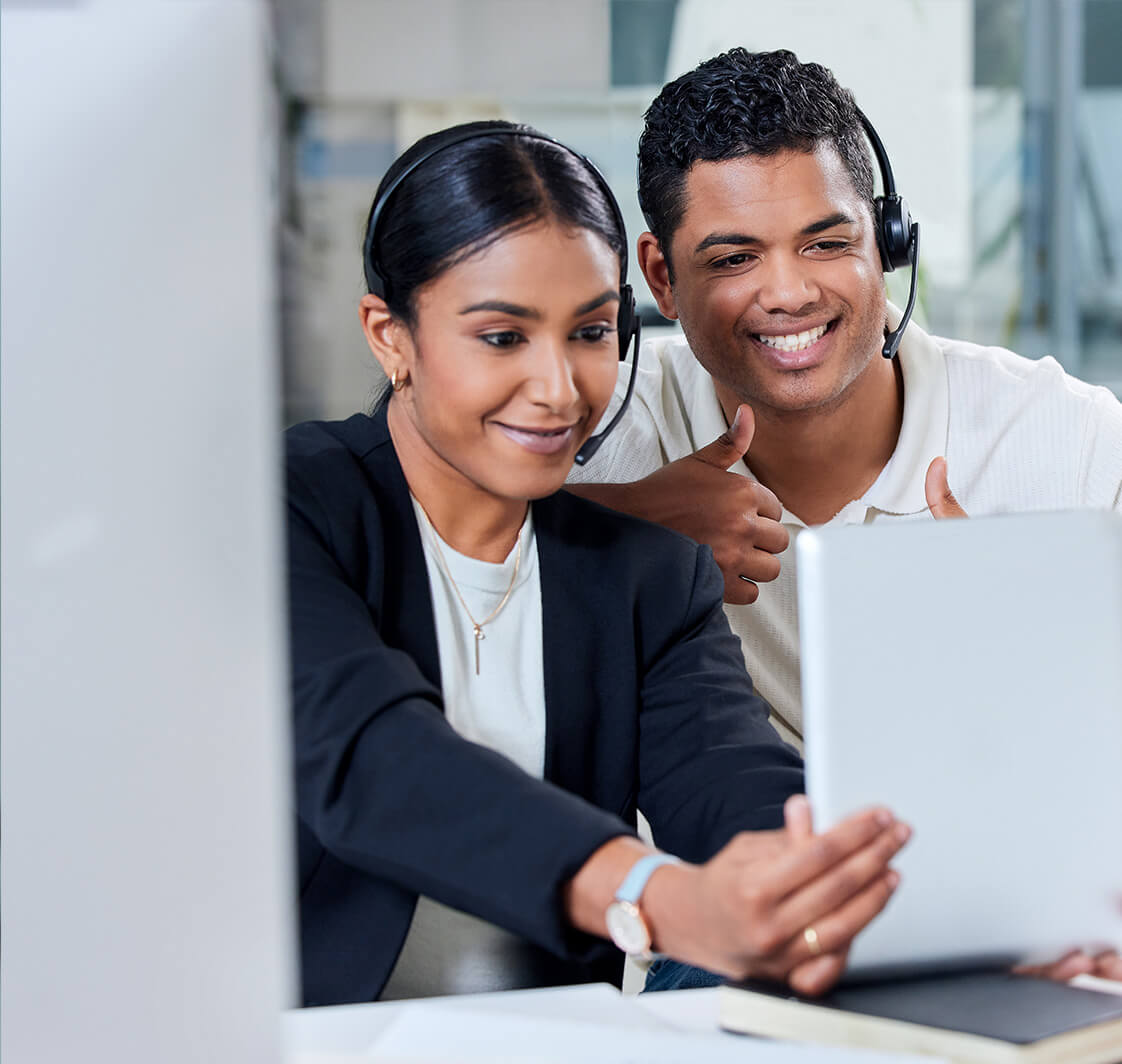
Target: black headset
{"type": "Point", "coordinates": [627, 321]}
{"type": "Point", "coordinates": [897, 234]}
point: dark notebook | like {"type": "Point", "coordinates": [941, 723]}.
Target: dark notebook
{"type": "Point", "coordinates": [973, 1016]}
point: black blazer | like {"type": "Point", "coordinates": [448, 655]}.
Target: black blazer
{"type": "Point", "coordinates": [648, 705]}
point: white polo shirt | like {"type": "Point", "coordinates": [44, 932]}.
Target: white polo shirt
{"type": "Point", "coordinates": [1018, 435]}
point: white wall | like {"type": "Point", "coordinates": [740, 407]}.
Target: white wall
{"type": "Point", "coordinates": [146, 819]}
{"type": "Point", "coordinates": [432, 49]}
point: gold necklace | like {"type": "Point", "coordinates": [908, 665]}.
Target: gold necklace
{"type": "Point", "coordinates": [477, 626]}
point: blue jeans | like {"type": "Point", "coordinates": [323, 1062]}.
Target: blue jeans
{"type": "Point", "coordinates": [665, 974]}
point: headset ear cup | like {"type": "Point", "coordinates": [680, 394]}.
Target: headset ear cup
{"type": "Point", "coordinates": [878, 229]}
{"type": "Point", "coordinates": [627, 320]}
{"type": "Point", "coordinates": [894, 226]}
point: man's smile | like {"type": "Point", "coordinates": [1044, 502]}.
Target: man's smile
{"type": "Point", "coordinates": [795, 341]}
{"type": "Point", "coordinates": [795, 349]}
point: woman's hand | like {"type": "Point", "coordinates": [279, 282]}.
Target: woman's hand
{"type": "Point", "coordinates": [746, 913]}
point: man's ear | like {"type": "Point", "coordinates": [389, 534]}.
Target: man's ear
{"type": "Point", "coordinates": [657, 272]}
{"type": "Point", "coordinates": [387, 338]}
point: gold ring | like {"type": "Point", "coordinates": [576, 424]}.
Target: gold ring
{"type": "Point", "coordinates": [810, 937]}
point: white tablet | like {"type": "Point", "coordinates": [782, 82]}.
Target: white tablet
{"type": "Point", "coordinates": [968, 674]}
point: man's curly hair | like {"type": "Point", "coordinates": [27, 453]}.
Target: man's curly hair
{"type": "Point", "coordinates": [743, 103]}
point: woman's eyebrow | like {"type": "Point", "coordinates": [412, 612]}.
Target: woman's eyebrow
{"type": "Point", "coordinates": [604, 297]}
{"type": "Point", "coordinates": [515, 310]}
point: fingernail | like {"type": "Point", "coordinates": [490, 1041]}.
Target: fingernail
{"type": "Point", "coordinates": [884, 817]}
{"type": "Point", "coordinates": [903, 832]}
{"type": "Point", "coordinates": [735, 420]}
{"type": "Point", "coordinates": [892, 879]}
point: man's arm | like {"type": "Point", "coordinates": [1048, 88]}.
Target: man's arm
{"type": "Point", "coordinates": [734, 515]}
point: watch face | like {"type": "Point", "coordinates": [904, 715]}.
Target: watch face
{"type": "Point", "coordinates": [627, 927]}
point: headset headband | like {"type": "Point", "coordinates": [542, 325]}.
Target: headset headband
{"type": "Point", "coordinates": [887, 180]}
{"type": "Point", "coordinates": [376, 280]}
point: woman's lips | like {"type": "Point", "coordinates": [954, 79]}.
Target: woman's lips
{"type": "Point", "coordinates": [539, 441]}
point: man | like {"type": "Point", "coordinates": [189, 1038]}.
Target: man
{"type": "Point", "coordinates": [779, 411]}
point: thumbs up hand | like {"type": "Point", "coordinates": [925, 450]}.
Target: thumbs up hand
{"type": "Point", "coordinates": [940, 499]}
{"type": "Point", "coordinates": [731, 446]}
{"type": "Point", "coordinates": [736, 516]}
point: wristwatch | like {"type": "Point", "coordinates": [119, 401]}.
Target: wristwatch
{"type": "Point", "coordinates": [625, 922]}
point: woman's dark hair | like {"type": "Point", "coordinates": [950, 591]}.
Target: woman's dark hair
{"type": "Point", "coordinates": [469, 195]}
{"type": "Point", "coordinates": [743, 103]}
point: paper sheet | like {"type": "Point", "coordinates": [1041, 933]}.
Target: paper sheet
{"type": "Point", "coordinates": [445, 1033]}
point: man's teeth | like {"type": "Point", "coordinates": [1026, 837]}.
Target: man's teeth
{"type": "Point", "coordinates": [795, 341]}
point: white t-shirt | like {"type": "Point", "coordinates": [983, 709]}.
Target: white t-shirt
{"type": "Point", "coordinates": [1018, 435]}
{"type": "Point", "coordinates": [502, 707]}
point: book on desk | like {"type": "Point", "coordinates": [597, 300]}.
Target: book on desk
{"type": "Point", "coordinates": [973, 1017]}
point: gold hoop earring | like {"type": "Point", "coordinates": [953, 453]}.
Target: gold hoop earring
{"type": "Point", "coordinates": [396, 384]}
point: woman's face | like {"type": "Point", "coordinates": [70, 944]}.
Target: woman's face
{"type": "Point", "coordinates": [513, 359]}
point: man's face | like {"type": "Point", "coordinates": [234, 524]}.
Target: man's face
{"type": "Point", "coordinates": [777, 279]}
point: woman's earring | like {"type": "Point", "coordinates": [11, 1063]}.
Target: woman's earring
{"type": "Point", "coordinates": [396, 384]}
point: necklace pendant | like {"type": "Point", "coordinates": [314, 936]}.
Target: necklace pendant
{"type": "Point", "coordinates": [477, 626]}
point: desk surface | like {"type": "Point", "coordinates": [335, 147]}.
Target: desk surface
{"type": "Point", "coordinates": [590, 1024]}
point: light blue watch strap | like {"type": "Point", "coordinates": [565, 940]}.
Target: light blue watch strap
{"type": "Point", "coordinates": [631, 888]}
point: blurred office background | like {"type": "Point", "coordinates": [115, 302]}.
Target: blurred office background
{"type": "Point", "coordinates": [1002, 118]}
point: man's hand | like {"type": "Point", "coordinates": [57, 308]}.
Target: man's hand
{"type": "Point", "coordinates": [736, 516]}
{"type": "Point", "coordinates": [940, 498]}
{"type": "Point", "coordinates": [746, 912]}
{"type": "Point", "coordinates": [1106, 965]}
{"type": "Point", "coordinates": [697, 496]}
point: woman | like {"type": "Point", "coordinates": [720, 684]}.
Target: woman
{"type": "Point", "coordinates": [490, 676]}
